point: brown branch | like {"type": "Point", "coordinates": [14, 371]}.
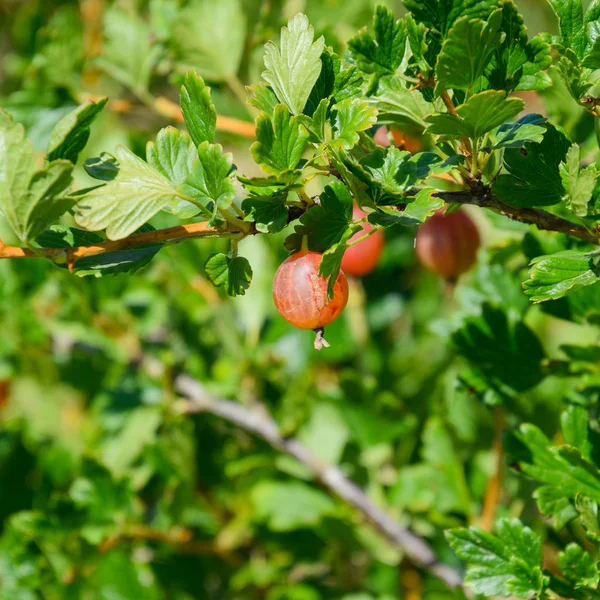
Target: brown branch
{"type": "Point", "coordinates": [172, 235]}
{"type": "Point", "coordinates": [532, 216]}
{"type": "Point", "coordinates": [258, 421]}
{"type": "Point", "coordinates": [494, 484]}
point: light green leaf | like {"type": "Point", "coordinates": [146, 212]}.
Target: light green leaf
{"type": "Point", "coordinates": [467, 51]}
{"type": "Point", "coordinates": [556, 275]}
{"type": "Point", "coordinates": [212, 178]}
{"type": "Point", "coordinates": [482, 113]}
{"type": "Point", "coordinates": [280, 141]}
{"type": "Point", "coordinates": [289, 506]}
{"type": "Point", "coordinates": [351, 116]}
{"type": "Point", "coordinates": [578, 183]}
{"type": "Point", "coordinates": [70, 135]}
{"type": "Point", "coordinates": [294, 67]}
{"type": "Point", "coordinates": [209, 36]}
{"type": "Point", "coordinates": [230, 272]}
{"type": "Point", "coordinates": [173, 155]}
{"type": "Point", "coordinates": [198, 111]}
{"type": "Point", "coordinates": [578, 566]}
{"type": "Point", "coordinates": [128, 201]}
{"type": "Point", "coordinates": [571, 25]}
{"type": "Point", "coordinates": [507, 564]}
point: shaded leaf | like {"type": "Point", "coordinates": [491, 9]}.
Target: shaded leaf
{"type": "Point", "coordinates": [232, 273]}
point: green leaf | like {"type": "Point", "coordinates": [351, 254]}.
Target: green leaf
{"type": "Point", "coordinates": [529, 128]}
{"type": "Point", "coordinates": [592, 58]}
{"type": "Point", "coordinates": [588, 516]}
{"type": "Point", "coordinates": [104, 167]}
{"type": "Point", "coordinates": [467, 51]}
{"type": "Point", "coordinates": [326, 223]}
{"type": "Point", "coordinates": [556, 275]}
{"type": "Point", "coordinates": [280, 141]}
{"type": "Point", "coordinates": [289, 506]}
{"type": "Point", "coordinates": [578, 183]}
{"type": "Point", "coordinates": [128, 201]}
{"type": "Point", "coordinates": [574, 421]}
{"type": "Point", "coordinates": [425, 204]}
{"type": "Point", "coordinates": [70, 135]}
{"type": "Point", "coordinates": [173, 156]}
{"type": "Point", "coordinates": [417, 40]}
{"type": "Point", "coordinates": [232, 273]}
{"type": "Point", "coordinates": [508, 355]}
{"type": "Point", "coordinates": [563, 472]}
{"type": "Point", "coordinates": [396, 104]}
{"type": "Point", "coordinates": [382, 53]}
{"type": "Point", "coordinates": [349, 117]}
{"type": "Point", "coordinates": [269, 213]}
{"type": "Point", "coordinates": [212, 177]}
{"type": "Point", "coordinates": [578, 566]}
{"type": "Point", "coordinates": [482, 113]}
{"type": "Point", "coordinates": [507, 564]}
{"type": "Point", "coordinates": [573, 74]}
{"type": "Point", "coordinates": [293, 69]}
{"type": "Point", "coordinates": [570, 22]}
{"type": "Point", "coordinates": [29, 200]}
{"type": "Point", "coordinates": [209, 37]}
{"type": "Point", "coordinates": [518, 64]}
{"type": "Point", "coordinates": [440, 15]}
{"type": "Point", "coordinates": [533, 177]}
{"type": "Point", "coordinates": [331, 262]}
{"type": "Point", "coordinates": [198, 111]}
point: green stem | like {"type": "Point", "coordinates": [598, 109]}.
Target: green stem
{"type": "Point", "coordinates": [474, 158]}
{"type": "Point", "coordinates": [363, 237]}
{"type": "Point", "coordinates": [195, 203]}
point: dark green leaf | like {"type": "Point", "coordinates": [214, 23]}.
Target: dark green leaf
{"type": "Point", "coordinates": [72, 132]}
{"type": "Point", "coordinates": [268, 213]}
{"type": "Point", "coordinates": [529, 128]}
{"type": "Point", "coordinates": [232, 273]}
{"type": "Point", "coordinates": [533, 177]}
{"type": "Point", "coordinates": [104, 167]}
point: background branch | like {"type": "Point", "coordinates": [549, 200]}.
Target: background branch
{"type": "Point", "coordinates": [532, 216]}
{"type": "Point", "coordinates": [258, 421]}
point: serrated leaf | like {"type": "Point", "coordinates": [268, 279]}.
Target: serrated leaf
{"type": "Point", "coordinates": [571, 24]}
{"type": "Point", "coordinates": [211, 180]}
{"type": "Point", "coordinates": [529, 128]}
{"type": "Point", "coordinates": [173, 156]}
{"type": "Point", "coordinates": [280, 141]}
{"type": "Point", "coordinates": [104, 167]}
{"type": "Point", "coordinates": [507, 354]}
{"type": "Point", "coordinates": [533, 177]}
{"type": "Point", "coordinates": [507, 564]}
{"type": "Point", "coordinates": [293, 69]}
{"type": "Point", "coordinates": [578, 566]}
{"type": "Point", "coordinates": [381, 53]}
{"type": "Point", "coordinates": [396, 104]}
{"type": "Point", "coordinates": [209, 36]}
{"type": "Point", "coordinates": [349, 117]}
{"type": "Point", "coordinates": [263, 98]}
{"type": "Point", "coordinates": [326, 223]}
{"type": "Point", "coordinates": [71, 133]}
{"type": "Point", "coordinates": [592, 57]}
{"type": "Point", "coordinates": [556, 275]}
{"type": "Point", "coordinates": [198, 111]}
{"type": "Point", "coordinates": [574, 421]}
{"type": "Point", "coordinates": [128, 201]}
{"type": "Point", "coordinates": [482, 113]}
{"type": "Point", "coordinates": [467, 51]}
{"type": "Point", "coordinates": [573, 74]}
{"type": "Point", "coordinates": [578, 183]}
{"type": "Point", "coordinates": [232, 273]}
{"type": "Point", "coordinates": [269, 213]}
{"type": "Point", "coordinates": [589, 516]}
{"type": "Point", "coordinates": [332, 259]}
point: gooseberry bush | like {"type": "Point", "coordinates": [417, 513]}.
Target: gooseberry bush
{"type": "Point", "coordinates": [455, 440]}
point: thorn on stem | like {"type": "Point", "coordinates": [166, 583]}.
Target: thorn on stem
{"type": "Point", "coordinates": [320, 341]}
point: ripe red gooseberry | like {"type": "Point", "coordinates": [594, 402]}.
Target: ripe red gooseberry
{"type": "Point", "coordinates": [401, 139]}
{"type": "Point", "coordinates": [300, 293]}
{"type": "Point", "coordinates": [448, 244]}
{"type": "Point", "coordinates": [362, 258]}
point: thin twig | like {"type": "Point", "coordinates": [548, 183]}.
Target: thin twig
{"type": "Point", "coordinates": [260, 422]}
{"type": "Point", "coordinates": [494, 484]}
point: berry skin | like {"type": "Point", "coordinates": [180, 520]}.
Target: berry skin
{"type": "Point", "coordinates": [448, 244]}
{"type": "Point", "coordinates": [401, 139]}
{"type": "Point", "coordinates": [362, 258]}
{"type": "Point", "coordinates": [300, 293]}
